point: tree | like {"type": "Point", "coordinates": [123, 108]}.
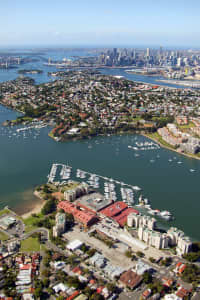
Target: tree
{"type": "Point", "coordinates": [152, 260]}
{"type": "Point", "coordinates": [128, 253]}
{"type": "Point", "coordinates": [91, 252]}
{"type": "Point", "coordinates": [111, 287]}
{"type": "Point", "coordinates": [87, 291]}
{"type": "Point", "coordinates": [147, 277]}
{"type": "Point", "coordinates": [191, 273]}
{"type": "Point", "coordinates": [96, 296]}
{"type": "Point", "coordinates": [46, 282]}
{"type": "Point", "coordinates": [49, 207]}
{"type": "Point", "coordinates": [84, 248]}
{"type": "Point", "coordinates": [166, 262]}
{"type": "Point", "coordinates": [38, 292]}
{"type": "Point", "coordinates": [140, 254]}
{"type": "Point", "coordinates": [60, 298]}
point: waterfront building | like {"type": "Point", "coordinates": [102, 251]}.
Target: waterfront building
{"type": "Point", "coordinates": [60, 225]}
{"type": "Point", "coordinates": [147, 233]}
{"type": "Point", "coordinates": [85, 218]}
{"type": "Point", "coordinates": [167, 137]}
{"type": "Point", "coordinates": [177, 237]}
{"type": "Point", "coordinates": [114, 209]}
{"type": "Point", "coordinates": [119, 212]}
{"type": "Point", "coordinates": [7, 222]}
{"type": "Point", "coordinates": [136, 220]}
{"type": "Point", "coordinates": [93, 202]}
{"type": "Point", "coordinates": [192, 145]}
{"type": "Point", "coordinates": [153, 238]}
{"type": "Point", "coordinates": [72, 194]}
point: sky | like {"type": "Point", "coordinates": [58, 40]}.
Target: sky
{"type": "Point", "coordinates": [100, 23]}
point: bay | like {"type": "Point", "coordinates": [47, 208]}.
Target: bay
{"type": "Point", "coordinates": [25, 161]}
{"type": "Point", "coordinates": [26, 158]}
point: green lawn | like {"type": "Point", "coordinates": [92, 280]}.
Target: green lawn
{"type": "Point", "coordinates": [4, 211]}
{"type": "Point", "coordinates": [189, 125]}
{"type": "Point", "coordinates": [30, 245]}
{"type": "Point", "coordinates": [29, 222]}
{"type": "Point", "coordinates": [70, 186]}
{"type": "Point", "coordinates": [3, 236]}
{"type": "Point", "coordinates": [157, 137]}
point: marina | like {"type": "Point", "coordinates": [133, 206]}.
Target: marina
{"type": "Point", "coordinates": [34, 152]}
{"type": "Point", "coordinates": [126, 192]}
{"type": "Point", "coordinates": [144, 146]}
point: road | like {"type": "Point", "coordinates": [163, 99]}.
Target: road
{"type": "Point", "coordinates": [42, 230]}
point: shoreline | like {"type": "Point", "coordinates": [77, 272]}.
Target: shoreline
{"type": "Point", "coordinates": [35, 209]}
{"type": "Point", "coordinates": [166, 147]}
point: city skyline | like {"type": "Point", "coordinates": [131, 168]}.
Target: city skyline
{"type": "Point", "coordinates": [174, 23]}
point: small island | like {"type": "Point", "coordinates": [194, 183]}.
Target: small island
{"type": "Point", "coordinates": [31, 71]}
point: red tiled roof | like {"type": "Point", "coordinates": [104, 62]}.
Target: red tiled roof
{"type": "Point", "coordinates": [67, 206]}
{"type": "Point", "coordinates": [100, 289]}
{"type": "Point", "coordinates": [130, 279]}
{"type": "Point", "coordinates": [181, 269]}
{"type": "Point", "coordinates": [182, 293]}
{"type": "Point", "coordinates": [167, 281]}
{"type": "Point", "coordinates": [85, 217]}
{"type": "Point", "coordinates": [92, 281]}
{"type": "Point", "coordinates": [73, 295]}
{"type": "Point", "coordinates": [26, 267]}
{"type": "Point", "coordinates": [114, 209]}
{"type": "Point", "coordinates": [146, 293]}
{"type": "Point", "coordinates": [179, 264]}
{"type": "Point", "coordinates": [121, 219]}
{"type": "Point", "coordinates": [77, 270]}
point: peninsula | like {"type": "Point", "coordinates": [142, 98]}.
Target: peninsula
{"type": "Point", "coordinates": [82, 104]}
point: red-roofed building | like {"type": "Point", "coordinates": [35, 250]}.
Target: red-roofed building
{"type": "Point", "coordinates": [180, 267]}
{"type": "Point", "coordinates": [77, 270]}
{"type": "Point", "coordinates": [121, 219]}
{"type": "Point", "coordinates": [114, 209]}
{"type": "Point", "coordinates": [146, 293]}
{"type": "Point", "coordinates": [73, 295]}
{"type": "Point", "coordinates": [67, 206]}
{"type": "Point", "coordinates": [100, 289]}
{"type": "Point", "coordinates": [130, 279]}
{"type": "Point", "coordinates": [92, 281]}
{"type": "Point", "coordinates": [179, 264]}
{"type": "Point", "coordinates": [182, 293]}
{"type": "Point", "coordinates": [86, 218]}
{"type": "Point", "coordinates": [25, 267]}
{"type": "Point", "coordinates": [167, 281]}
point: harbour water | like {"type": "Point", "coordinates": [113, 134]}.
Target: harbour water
{"type": "Point", "coordinates": [9, 74]}
{"type": "Point", "coordinates": [164, 176]}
